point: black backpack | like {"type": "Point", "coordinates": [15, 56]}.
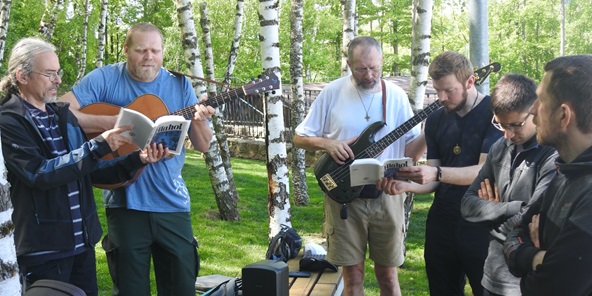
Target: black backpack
{"type": "Point", "coordinates": [285, 245]}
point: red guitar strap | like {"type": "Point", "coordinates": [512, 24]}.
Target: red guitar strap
{"type": "Point", "coordinates": [383, 100]}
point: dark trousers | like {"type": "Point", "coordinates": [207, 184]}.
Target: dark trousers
{"type": "Point", "coordinates": [454, 249]}
{"type": "Point", "coordinates": [136, 237]}
{"type": "Point", "coordinates": [487, 293]}
{"type": "Point", "coordinates": [78, 270]}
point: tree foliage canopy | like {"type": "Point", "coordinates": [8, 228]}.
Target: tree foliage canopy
{"type": "Point", "coordinates": [523, 35]}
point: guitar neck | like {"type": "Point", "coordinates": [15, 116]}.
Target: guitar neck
{"type": "Point", "coordinates": [215, 101]}
{"type": "Point", "coordinates": [376, 148]}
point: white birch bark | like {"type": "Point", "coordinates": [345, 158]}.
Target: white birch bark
{"type": "Point", "coordinates": [420, 52]}
{"type": "Point", "coordinates": [216, 170]}
{"type": "Point", "coordinates": [49, 18]}
{"type": "Point", "coordinates": [226, 196]}
{"type": "Point", "coordinates": [4, 17]}
{"type": "Point", "coordinates": [101, 34]}
{"type": "Point", "coordinates": [9, 279]}
{"type": "Point", "coordinates": [84, 43]}
{"type": "Point", "coordinates": [277, 168]}
{"type": "Point", "coordinates": [218, 119]}
{"type": "Point", "coordinates": [299, 186]}
{"type": "Point", "coordinates": [238, 25]}
{"type": "Point", "coordinates": [421, 28]}
{"type": "Point", "coordinates": [348, 8]}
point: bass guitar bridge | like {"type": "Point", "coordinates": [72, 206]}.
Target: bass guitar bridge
{"type": "Point", "coordinates": [328, 182]}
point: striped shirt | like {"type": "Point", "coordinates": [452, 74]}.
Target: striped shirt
{"type": "Point", "coordinates": [47, 124]}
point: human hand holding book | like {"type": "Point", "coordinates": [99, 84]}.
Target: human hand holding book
{"type": "Point", "coordinates": [168, 130]}
{"type": "Point", "coordinates": [368, 171]}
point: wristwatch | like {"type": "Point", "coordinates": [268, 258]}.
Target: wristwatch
{"type": "Point", "coordinates": [438, 174]}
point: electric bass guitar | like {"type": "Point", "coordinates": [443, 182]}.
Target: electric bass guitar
{"type": "Point", "coordinates": [334, 179]}
{"type": "Point", "coordinates": [153, 107]}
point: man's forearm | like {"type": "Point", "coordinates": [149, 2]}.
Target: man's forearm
{"type": "Point", "coordinates": [308, 143]}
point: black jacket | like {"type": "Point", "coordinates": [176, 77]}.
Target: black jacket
{"type": "Point", "coordinates": [38, 180]}
{"type": "Point", "coordinates": [565, 233]}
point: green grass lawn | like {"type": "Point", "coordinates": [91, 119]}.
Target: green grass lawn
{"type": "Point", "coordinates": [225, 247]}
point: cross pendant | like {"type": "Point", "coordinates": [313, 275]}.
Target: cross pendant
{"type": "Point", "coordinates": [367, 117]}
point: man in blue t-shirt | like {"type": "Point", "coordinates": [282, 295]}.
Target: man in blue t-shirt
{"type": "Point", "coordinates": [458, 138]}
{"type": "Point", "coordinates": [150, 217]}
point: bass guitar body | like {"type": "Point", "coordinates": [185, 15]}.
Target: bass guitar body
{"type": "Point", "coordinates": [333, 178]}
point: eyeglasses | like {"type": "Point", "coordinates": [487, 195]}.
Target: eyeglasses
{"type": "Point", "coordinates": [372, 70]}
{"type": "Point", "coordinates": [509, 127]}
{"type": "Point", "coordinates": [53, 76]}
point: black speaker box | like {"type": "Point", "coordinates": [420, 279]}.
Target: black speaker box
{"type": "Point", "coordinates": [266, 278]}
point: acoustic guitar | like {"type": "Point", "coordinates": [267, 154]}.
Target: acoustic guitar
{"type": "Point", "coordinates": [153, 107]}
{"type": "Point", "coordinates": [334, 179]}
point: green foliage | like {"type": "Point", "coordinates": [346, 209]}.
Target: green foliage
{"type": "Point", "coordinates": [523, 35]}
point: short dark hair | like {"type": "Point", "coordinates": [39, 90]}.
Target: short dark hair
{"type": "Point", "coordinates": [571, 82]}
{"type": "Point", "coordinates": [513, 93]}
{"type": "Point", "coordinates": [451, 62]}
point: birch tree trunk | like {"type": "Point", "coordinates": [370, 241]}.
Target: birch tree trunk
{"type": "Point", "coordinates": [49, 18]}
{"type": "Point", "coordinates": [300, 188]}
{"type": "Point", "coordinates": [4, 17]}
{"type": "Point", "coordinates": [9, 277]}
{"type": "Point", "coordinates": [479, 38]}
{"type": "Point", "coordinates": [217, 118]}
{"type": "Point", "coordinates": [101, 34]}
{"type": "Point", "coordinates": [420, 52]}
{"type": "Point", "coordinates": [238, 25]}
{"type": "Point", "coordinates": [226, 197]}
{"type": "Point", "coordinates": [216, 170]}
{"type": "Point", "coordinates": [348, 8]}
{"type": "Point", "coordinates": [277, 169]}
{"type": "Point", "coordinates": [84, 42]}
{"type": "Point", "coordinates": [421, 29]}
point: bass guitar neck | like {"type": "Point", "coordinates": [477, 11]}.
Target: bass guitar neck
{"type": "Point", "coordinates": [334, 179]}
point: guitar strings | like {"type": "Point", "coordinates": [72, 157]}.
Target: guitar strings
{"type": "Point", "coordinates": [343, 170]}
{"type": "Point", "coordinates": [219, 99]}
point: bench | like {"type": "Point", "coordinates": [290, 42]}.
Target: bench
{"type": "Point", "coordinates": [322, 283]}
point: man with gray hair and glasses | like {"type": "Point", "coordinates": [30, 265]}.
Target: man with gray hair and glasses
{"type": "Point", "coordinates": [51, 166]}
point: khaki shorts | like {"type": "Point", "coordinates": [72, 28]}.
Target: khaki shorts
{"type": "Point", "coordinates": [377, 223]}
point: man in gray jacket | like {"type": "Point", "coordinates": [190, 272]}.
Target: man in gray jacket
{"type": "Point", "coordinates": [517, 171]}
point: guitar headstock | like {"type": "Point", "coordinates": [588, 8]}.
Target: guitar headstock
{"type": "Point", "coordinates": [482, 73]}
{"type": "Point", "coordinates": [267, 82]}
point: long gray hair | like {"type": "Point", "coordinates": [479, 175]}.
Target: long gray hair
{"type": "Point", "coordinates": [22, 57]}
